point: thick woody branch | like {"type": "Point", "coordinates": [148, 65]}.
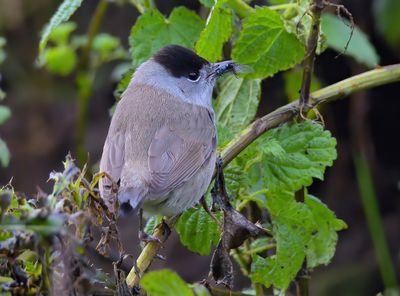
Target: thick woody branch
{"type": "Point", "coordinates": [370, 79]}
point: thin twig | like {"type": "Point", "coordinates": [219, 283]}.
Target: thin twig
{"type": "Point", "coordinates": [312, 43]}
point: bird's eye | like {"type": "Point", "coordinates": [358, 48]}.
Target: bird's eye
{"type": "Point", "coordinates": [194, 76]}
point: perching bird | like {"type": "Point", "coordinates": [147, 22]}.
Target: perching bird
{"type": "Point", "coordinates": [161, 144]}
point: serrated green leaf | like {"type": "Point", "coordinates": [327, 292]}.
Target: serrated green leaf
{"type": "Point", "coordinates": [5, 114]}
{"type": "Point", "coordinates": [301, 230]}
{"type": "Point", "coordinates": [387, 15]}
{"type": "Point", "coordinates": [290, 221]}
{"type": "Point", "coordinates": [197, 230]}
{"type": "Point", "coordinates": [308, 151]}
{"type": "Point", "coordinates": [4, 154]}
{"type": "Point", "coordinates": [322, 244]}
{"type": "Point", "coordinates": [337, 32]}
{"type": "Point", "coordinates": [237, 102]}
{"type": "Point", "coordinates": [60, 60]}
{"type": "Point", "coordinates": [164, 283]}
{"type": "Point", "coordinates": [152, 31]}
{"type": "Point", "coordinates": [63, 13]}
{"type": "Point", "coordinates": [265, 45]}
{"type": "Point", "coordinates": [217, 31]}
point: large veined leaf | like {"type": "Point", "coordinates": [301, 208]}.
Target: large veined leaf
{"type": "Point", "coordinates": [265, 44]}
{"type": "Point", "coordinates": [152, 31]}
{"type": "Point", "coordinates": [197, 230]}
{"type": "Point", "coordinates": [63, 13]}
{"type": "Point", "coordinates": [337, 32]}
{"type": "Point", "coordinates": [322, 245]}
{"type": "Point", "coordinates": [301, 230]}
{"type": "Point", "coordinates": [237, 102]}
{"type": "Point", "coordinates": [309, 149]}
{"type": "Point", "coordinates": [217, 31]}
{"type": "Point", "coordinates": [164, 283]}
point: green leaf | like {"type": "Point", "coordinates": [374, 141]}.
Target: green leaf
{"type": "Point", "coordinates": [207, 3]}
{"type": "Point", "coordinates": [123, 84]}
{"type": "Point", "coordinates": [387, 15]}
{"type": "Point", "coordinates": [197, 230]}
{"type": "Point", "coordinates": [217, 31]}
{"type": "Point", "coordinates": [164, 283]}
{"type": "Point", "coordinates": [61, 33]}
{"type": "Point", "coordinates": [2, 52]}
{"type": "Point", "coordinates": [4, 154]}
{"type": "Point", "coordinates": [265, 45]}
{"type": "Point", "coordinates": [308, 151]}
{"type": "Point", "coordinates": [337, 32]}
{"type": "Point", "coordinates": [322, 245]}
{"type": "Point", "coordinates": [104, 44]}
{"type": "Point", "coordinates": [290, 221]}
{"type": "Point", "coordinates": [63, 13]}
{"type": "Point", "coordinates": [60, 60]}
{"type": "Point", "coordinates": [5, 114]}
{"type": "Point", "coordinates": [293, 83]}
{"type": "Point", "coordinates": [152, 31]}
{"type": "Point", "coordinates": [237, 102]}
{"type": "Point", "coordinates": [301, 230]}
{"type": "Point", "coordinates": [151, 224]}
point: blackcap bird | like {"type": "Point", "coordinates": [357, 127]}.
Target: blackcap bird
{"type": "Point", "coordinates": [161, 144]}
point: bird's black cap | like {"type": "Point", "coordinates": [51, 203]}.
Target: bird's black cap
{"type": "Point", "coordinates": [179, 61]}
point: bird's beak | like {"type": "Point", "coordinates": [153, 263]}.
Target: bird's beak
{"type": "Point", "coordinates": [224, 67]}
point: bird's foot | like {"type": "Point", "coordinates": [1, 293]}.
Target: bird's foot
{"type": "Point", "coordinates": [147, 238]}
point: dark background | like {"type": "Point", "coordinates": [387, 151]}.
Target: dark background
{"type": "Point", "coordinates": [41, 132]}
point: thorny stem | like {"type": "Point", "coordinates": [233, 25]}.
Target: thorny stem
{"type": "Point", "coordinates": [370, 79]}
{"type": "Point", "coordinates": [84, 69]}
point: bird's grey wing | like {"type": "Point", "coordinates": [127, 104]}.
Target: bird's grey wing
{"type": "Point", "coordinates": [179, 150]}
{"type": "Point", "coordinates": [112, 161]}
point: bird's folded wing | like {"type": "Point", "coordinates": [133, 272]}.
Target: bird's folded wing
{"type": "Point", "coordinates": [112, 159]}
{"type": "Point", "coordinates": [179, 150]}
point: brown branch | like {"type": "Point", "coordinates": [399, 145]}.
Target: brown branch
{"type": "Point", "coordinates": [312, 43]}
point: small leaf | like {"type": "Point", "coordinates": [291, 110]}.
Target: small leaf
{"type": "Point", "coordinates": [308, 151]}
{"type": "Point", "coordinates": [4, 154]}
{"type": "Point", "coordinates": [265, 45]}
{"type": "Point", "coordinates": [151, 224]}
{"type": "Point", "coordinates": [197, 231]}
{"type": "Point", "coordinates": [217, 31]}
{"type": "Point", "coordinates": [322, 245]}
{"type": "Point", "coordinates": [63, 13]}
{"type": "Point", "coordinates": [60, 60]}
{"type": "Point", "coordinates": [152, 32]}
{"type": "Point", "coordinates": [337, 32]}
{"type": "Point", "coordinates": [5, 114]}
{"type": "Point", "coordinates": [164, 283]}
{"type": "Point", "coordinates": [104, 44]}
{"type": "Point", "coordinates": [237, 102]}
{"type": "Point", "coordinates": [61, 33]}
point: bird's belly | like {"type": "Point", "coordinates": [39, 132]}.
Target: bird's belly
{"type": "Point", "coordinates": [184, 197]}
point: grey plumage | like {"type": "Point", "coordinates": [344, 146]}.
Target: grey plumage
{"type": "Point", "coordinates": [161, 144]}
